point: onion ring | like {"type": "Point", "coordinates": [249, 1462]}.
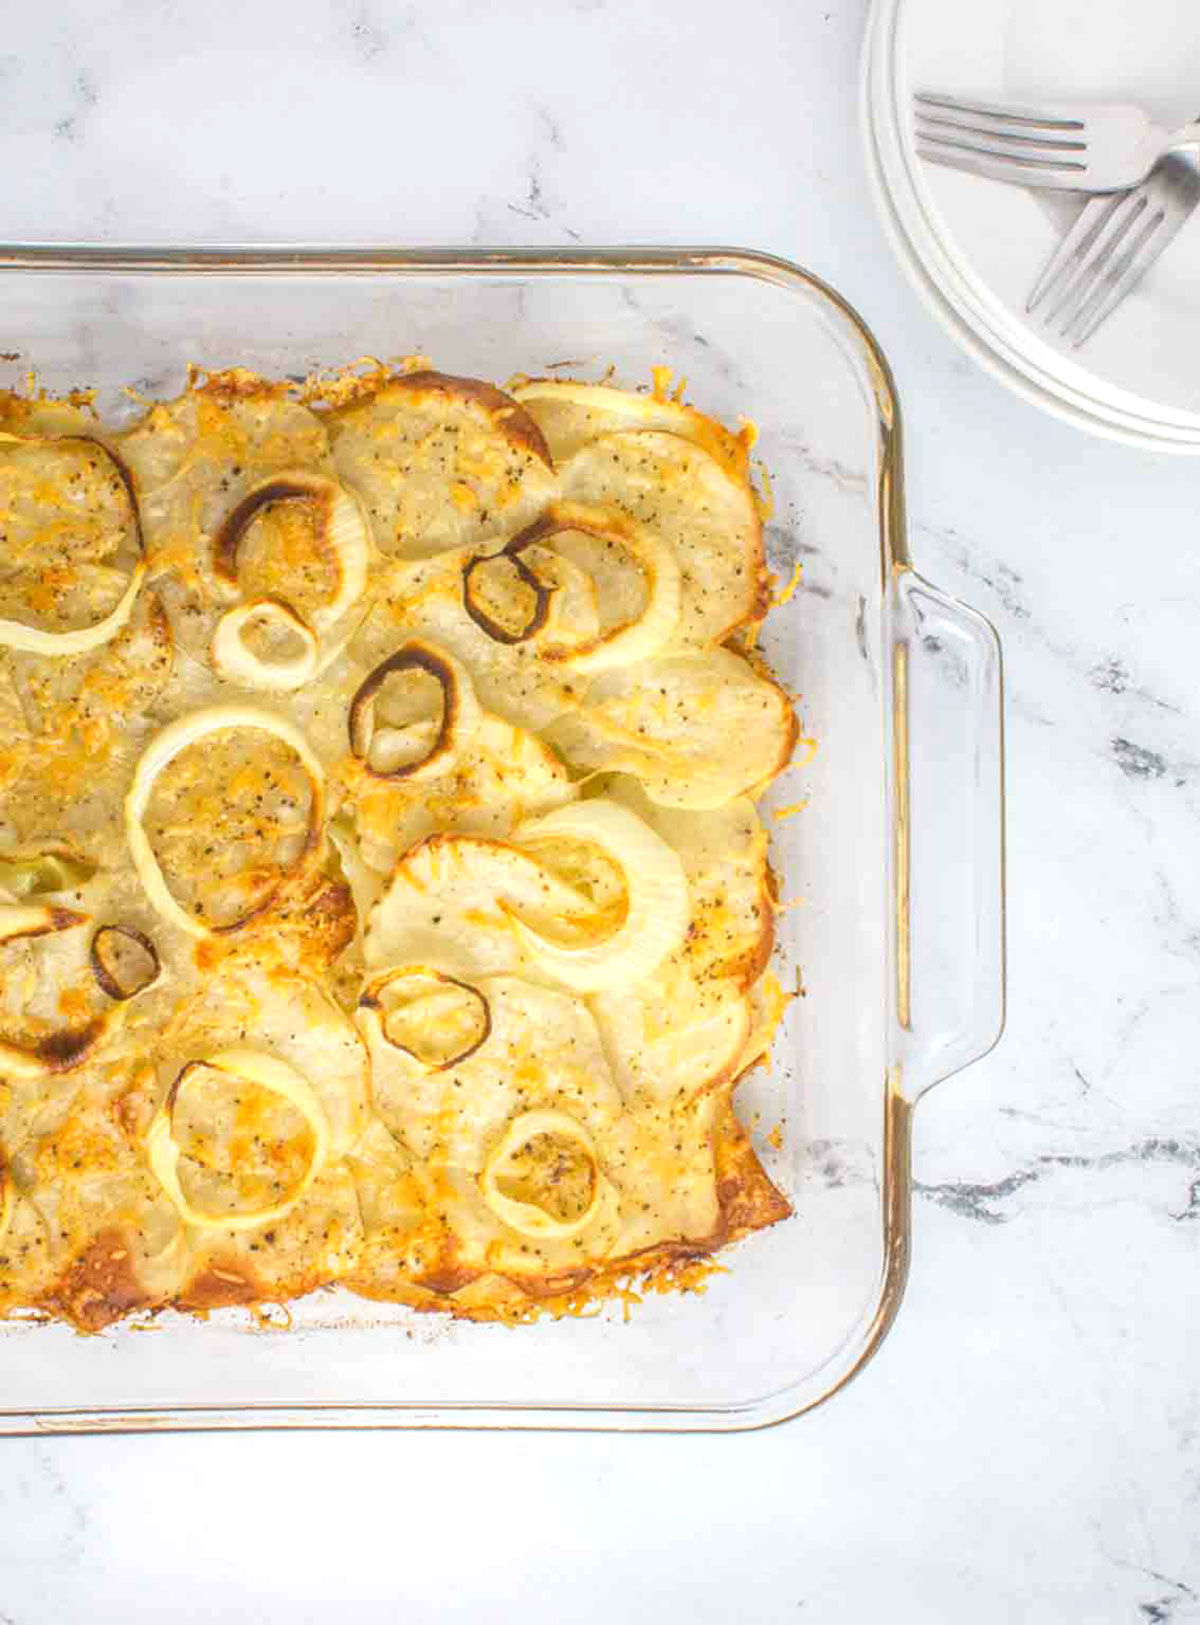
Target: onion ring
{"type": "Point", "coordinates": [659, 907]}
{"type": "Point", "coordinates": [233, 659]}
{"type": "Point", "coordinates": [105, 969]}
{"type": "Point", "coordinates": [372, 1013]}
{"type": "Point", "coordinates": [460, 710]}
{"type": "Point", "coordinates": [33, 639]}
{"type": "Point", "coordinates": [527, 1218]}
{"type": "Point", "coordinates": [268, 1072]}
{"type": "Point", "coordinates": [343, 533]}
{"type": "Point", "coordinates": [163, 748]}
{"type": "Point", "coordinates": [645, 635]}
{"type": "Point", "coordinates": [542, 594]}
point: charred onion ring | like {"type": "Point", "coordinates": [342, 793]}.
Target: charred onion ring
{"type": "Point", "coordinates": [343, 531]}
{"type": "Point", "coordinates": [104, 968]}
{"type": "Point", "coordinates": [642, 637]}
{"type": "Point", "coordinates": [373, 1015]}
{"type": "Point", "coordinates": [542, 594]}
{"type": "Point", "coordinates": [460, 710]}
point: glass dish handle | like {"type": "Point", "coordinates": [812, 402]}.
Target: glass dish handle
{"type": "Point", "coordinates": [949, 834]}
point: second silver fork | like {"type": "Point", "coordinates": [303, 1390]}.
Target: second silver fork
{"type": "Point", "coordinates": [1114, 242]}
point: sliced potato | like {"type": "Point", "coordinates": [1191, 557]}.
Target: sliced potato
{"type": "Point", "coordinates": [724, 853]}
{"type": "Point", "coordinates": [450, 904]}
{"type": "Point", "coordinates": [73, 558]}
{"type": "Point", "coordinates": [286, 1015]}
{"type": "Point", "coordinates": [707, 517]}
{"type": "Point", "coordinates": [100, 1237]}
{"type": "Point", "coordinates": [106, 689]}
{"type": "Point", "coordinates": [54, 1018]}
{"type": "Point", "coordinates": [571, 414]}
{"type": "Point", "coordinates": [697, 730]}
{"type": "Point", "coordinates": [475, 906]}
{"type": "Point", "coordinates": [316, 1241]}
{"type": "Point", "coordinates": [684, 1029]}
{"type": "Point", "coordinates": [541, 1058]}
{"type": "Point", "coordinates": [441, 462]}
{"type": "Point", "coordinates": [541, 1050]}
{"type": "Point", "coordinates": [504, 775]}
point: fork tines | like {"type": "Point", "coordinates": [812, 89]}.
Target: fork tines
{"type": "Point", "coordinates": [1102, 258]}
{"type": "Point", "coordinates": [976, 134]}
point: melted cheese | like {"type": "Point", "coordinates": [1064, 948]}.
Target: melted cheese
{"type": "Point", "coordinates": [498, 1138]}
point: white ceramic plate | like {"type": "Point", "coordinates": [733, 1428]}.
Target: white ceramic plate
{"type": "Point", "coordinates": [973, 247]}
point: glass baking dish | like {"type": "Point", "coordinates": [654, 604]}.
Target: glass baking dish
{"type": "Point", "coordinates": [891, 873]}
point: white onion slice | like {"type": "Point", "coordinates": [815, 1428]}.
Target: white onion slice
{"type": "Point", "coordinates": [373, 1015]}
{"type": "Point", "coordinates": [163, 748]}
{"type": "Point", "coordinates": [461, 712]}
{"type": "Point", "coordinates": [343, 531]}
{"type": "Point", "coordinates": [268, 1072]}
{"type": "Point", "coordinates": [36, 641]}
{"type": "Point", "coordinates": [234, 660]}
{"type": "Point", "coordinates": [656, 919]}
{"type": "Point", "coordinates": [527, 1218]}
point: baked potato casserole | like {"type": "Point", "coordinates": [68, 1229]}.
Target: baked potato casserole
{"type": "Point", "coordinates": [383, 899]}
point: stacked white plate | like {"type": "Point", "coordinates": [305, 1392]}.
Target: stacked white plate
{"type": "Point", "coordinates": [973, 247]}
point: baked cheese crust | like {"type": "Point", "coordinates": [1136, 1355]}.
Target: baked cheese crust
{"type": "Point", "coordinates": [383, 897]}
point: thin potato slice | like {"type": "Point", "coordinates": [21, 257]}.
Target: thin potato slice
{"type": "Point", "coordinates": [709, 519]}
{"type": "Point", "coordinates": [441, 462]}
{"type": "Point", "coordinates": [503, 776]}
{"type": "Point", "coordinates": [571, 415]}
{"type": "Point", "coordinates": [696, 730]}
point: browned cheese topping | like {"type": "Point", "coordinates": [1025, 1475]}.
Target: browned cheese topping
{"type": "Point", "coordinates": [384, 901]}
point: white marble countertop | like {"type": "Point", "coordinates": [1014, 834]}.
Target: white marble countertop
{"type": "Point", "coordinates": [1026, 1446]}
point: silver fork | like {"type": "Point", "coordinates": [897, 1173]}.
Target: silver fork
{"type": "Point", "coordinates": [1071, 146]}
{"type": "Point", "coordinates": [1114, 243]}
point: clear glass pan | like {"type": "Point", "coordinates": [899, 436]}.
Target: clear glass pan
{"type": "Point", "coordinates": [894, 865]}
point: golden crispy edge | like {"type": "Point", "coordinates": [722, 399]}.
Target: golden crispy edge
{"type": "Point", "coordinates": [748, 1201]}
{"type": "Point", "coordinates": [99, 1287]}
